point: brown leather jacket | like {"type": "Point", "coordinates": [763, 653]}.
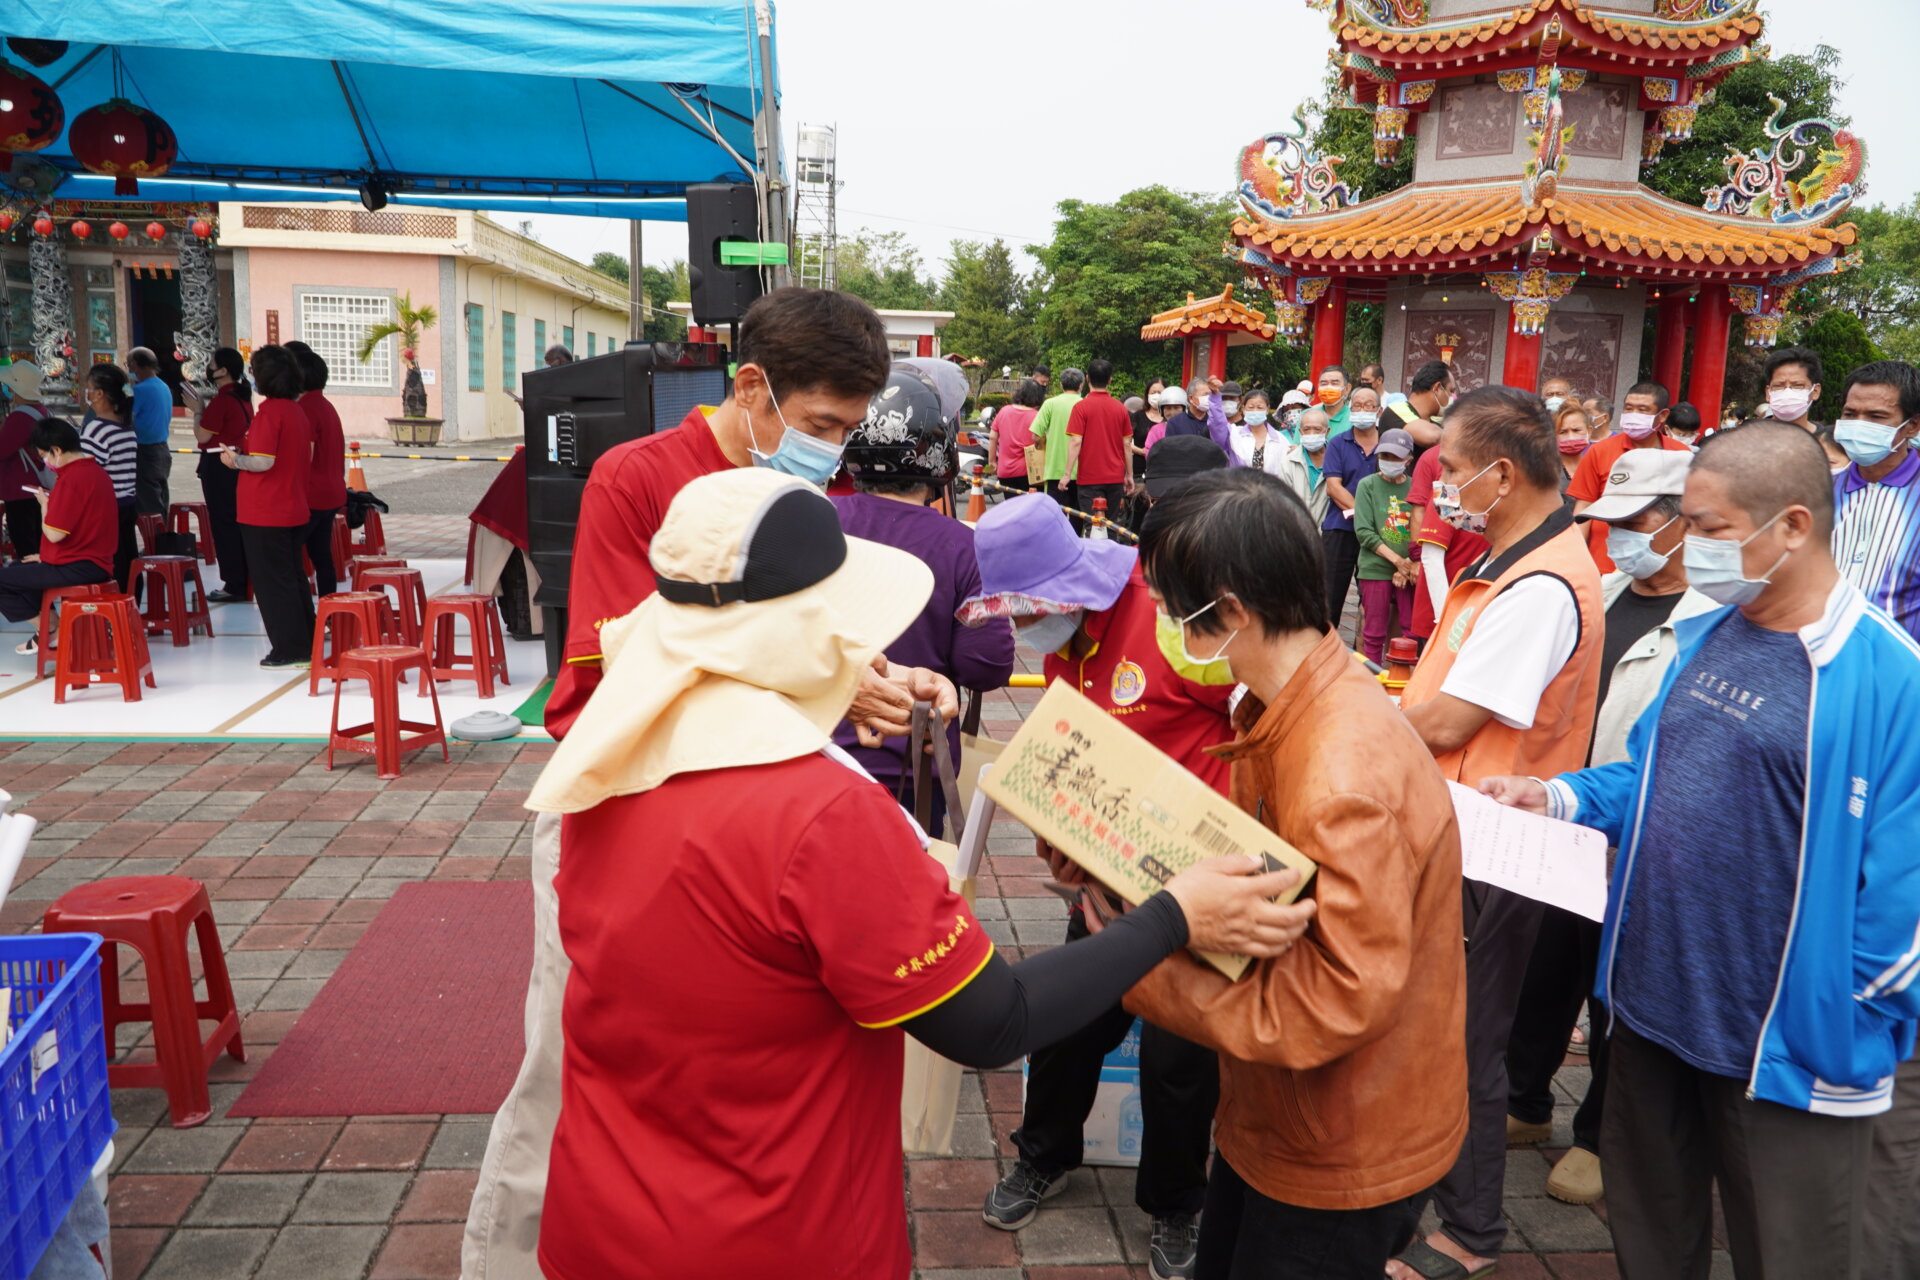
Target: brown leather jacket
{"type": "Point", "coordinates": [1343, 1071]}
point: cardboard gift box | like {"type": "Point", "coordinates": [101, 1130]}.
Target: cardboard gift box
{"type": "Point", "coordinates": [1121, 808]}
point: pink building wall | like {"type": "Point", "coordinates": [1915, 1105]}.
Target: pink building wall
{"type": "Point", "coordinates": [275, 279]}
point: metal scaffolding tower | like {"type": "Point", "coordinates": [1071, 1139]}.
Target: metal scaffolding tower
{"type": "Point", "coordinates": [815, 231]}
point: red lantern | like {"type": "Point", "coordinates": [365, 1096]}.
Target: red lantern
{"type": "Point", "coordinates": [30, 113]}
{"type": "Point", "coordinates": [43, 225]}
{"type": "Point", "coordinates": [118, 230]}
{"type": "Point", "coordinates": [6, 222]}
{"type": "Point", "coordinates": [82, 229]}
{"type": "Point", "coordinates": [123, 141]}
{"type": "Point", "coordinates": [202, 228]}
{"type": "Point", "coordinates": [156, 231]}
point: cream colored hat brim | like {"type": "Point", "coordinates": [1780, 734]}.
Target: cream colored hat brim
{"type": "Point", "coordinates": [690, 688]}
{"type": "Point", "coordinates": [23, 378]}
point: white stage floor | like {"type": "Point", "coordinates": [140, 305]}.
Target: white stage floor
{"type": "Point", "coordinates": [216, 688]}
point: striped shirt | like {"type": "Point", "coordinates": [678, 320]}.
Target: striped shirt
{"type": "Point", "coordinates": [114, 447]}
{"type": "Point", "coordinates": [1876, 537]}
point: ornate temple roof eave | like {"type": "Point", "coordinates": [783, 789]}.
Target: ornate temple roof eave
{"type": "Point", "coordinates": [1630, 34]}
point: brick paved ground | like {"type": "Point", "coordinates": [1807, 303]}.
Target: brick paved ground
{"type": "Point", "coordinates": [298, 860]}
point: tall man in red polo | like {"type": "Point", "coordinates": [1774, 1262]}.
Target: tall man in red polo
{"type": "Point", "coordinates": [1098, 432]}
{"type": "Point", "coordinates": [1084, 603]}
{"type": "Point", "coordinates": [1643, 425]}
{"type": "Point", "coordinates": [808, 361]}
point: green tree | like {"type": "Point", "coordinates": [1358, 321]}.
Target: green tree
{"type": "Point", "coordinates": [608, 263]}
{"type": "Point", "coordinates": [989, 301]}
{"type": "Point", "coordinates": [1843, 344]}
{"type": "Point", "coordinates": [1884, 289]}
{"type": "Point", "coordinates": [886, 270]}
{"type": "Point", "coordinates": [1737, 118]}
{"type": "Point", "coordinates": [660, 286]}
{"type": "Point", "coordinates": [1343, 130]}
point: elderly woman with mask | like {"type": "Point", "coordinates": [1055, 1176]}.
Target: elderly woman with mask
{"type": "Point", "coordinates": [752, 922]}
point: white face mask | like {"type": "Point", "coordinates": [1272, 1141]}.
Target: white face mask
{"type": "Point", "coordinates": [1053, 632]}
{"type": "Point", "coordinates": [1361, 420]}
{"type": "Point", "coordinates": [1154, 399]}
{"type": "Point", "coordinates": [1554, 403]}
{"type": "Point", "coordinates": [1313, 441]}
{"type": "Point", "coordinates": [1717, 571]}
{"type": "Point", "coordinates": [1790, 404]}
{"type": "Point", "coordinates": [1229, 407]}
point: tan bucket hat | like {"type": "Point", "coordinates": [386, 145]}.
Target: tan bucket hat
{"type": "Point", "coordinates": [751, 650]}
{"type": "Point", "coordinates": [22, 377]}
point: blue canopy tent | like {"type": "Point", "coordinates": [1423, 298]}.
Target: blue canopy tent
{"type": "Point", "coordinates": [601, 107]}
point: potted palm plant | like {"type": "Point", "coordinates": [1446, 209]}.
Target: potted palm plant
{"type": "Point", "coordinates": [413, 426]}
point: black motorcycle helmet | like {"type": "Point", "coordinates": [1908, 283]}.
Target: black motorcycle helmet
{"type": "Point", "coordinates": [905, 437]}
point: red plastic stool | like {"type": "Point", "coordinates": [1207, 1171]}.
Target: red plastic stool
{"type": "Point", "coordinates": [373, 538]}
{"type": "Point", "coordinates": [178, 516]}
{"type": "Point", "coordinates": [489, 655]}
{"type": "Point", "coordinates": [169, 611]}
{"type": "Point", "coordinates": [152, 914]}
{"type": "Point", "coordinates": [150, 527]}
{"type": "Point", "coordinates": [120, 657]}
{"type": "Point", "coordinates": [382, 667]}
{"type": "Point", "coordinates": [49, 626]}
{"type": "Point", "coordinates": [410, 597]}
{"type": "Point", "coordinates": [353, 620]}
{"type": "Point", "coordinates": [358, 565]}
{"type": "Point", "coordinates": [342, 544]}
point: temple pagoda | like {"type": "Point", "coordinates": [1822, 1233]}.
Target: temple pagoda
{"type": "Point", "coordinates": [1525, 241]}
{"type": "Point", "coordinates": [1206, 329]}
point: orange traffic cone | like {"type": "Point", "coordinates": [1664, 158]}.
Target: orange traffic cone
{"type": "Point", "coordinates": [356, 476]}
{"type": "Point", "coordinates": [977, 499]}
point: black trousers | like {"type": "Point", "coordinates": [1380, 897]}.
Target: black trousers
{"type": "Point", "coordinates": [1020, 483]}
{"type": "Point", "coordinates": [220, 486]}
{"type": "Point", "coordinates": [1115, 494]}
{"type": "Point", "coordinates": [1251, 1237]}
{"type": "Point", "coordinates": [21, 585]}
{"type": "Point", "coordinates": [280, 589]}
{"type": "Point", "coordinates": [1793, 1185]}
{"type": "Point", "coordinates": [126, 550]}
{"type": "Point", "coordinates": [1342, 548]}
{"type": "Point", "coordinates": [1179, 1089]}
{"type": "Point", "coordinates": [23, 526]}
{"type": "Point", "coordinates": [1500, 929]}
{"type": "Point", "coordinates": [1893, 1184]}
{"type": "Point", "coordinates": [153, 463]}
{"type": "Point", "coordinates": [1559, 979]}
{"type": "Point", "coordinates": [319, 545]}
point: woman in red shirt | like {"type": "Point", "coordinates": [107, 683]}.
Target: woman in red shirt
{"type": "Point", "coordinates": [326, 478]}
{"type": "Point", "coordinates": [1013, 432]}
{"type": "Point", "coordinates": [272, 502]}
{"type": "Point", "coordinates": [79, 528]}
{"type": "Point", "coordinates": [222, 422]}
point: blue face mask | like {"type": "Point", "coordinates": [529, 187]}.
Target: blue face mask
{"type": "Point", "coordinates": [1716, 571]}
{"type": "Point", "coordinates": [1867, 443]}
{"type": "Point", "coordinates": [1256, 417]}
{"type": "Point", "coordinates": [799, 454]}
{"type": "Point", "coordinates": [1633, 554]}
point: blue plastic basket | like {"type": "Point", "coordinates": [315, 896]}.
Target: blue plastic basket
{"type": "Point", "coordinates": [52, 1129]}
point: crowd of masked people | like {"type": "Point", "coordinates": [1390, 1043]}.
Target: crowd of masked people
{"type": "Point", "coordinates": [271, 459]}
{"type": "Point", "coordinates": [1704, 649]}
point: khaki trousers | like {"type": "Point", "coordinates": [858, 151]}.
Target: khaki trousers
{"type": "Point", "coordinates": [503, 1223]}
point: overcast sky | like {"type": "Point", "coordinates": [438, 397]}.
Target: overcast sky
{"type": "Point", "coordinates": [977, 125]}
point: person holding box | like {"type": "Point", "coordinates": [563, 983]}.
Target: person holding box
{"type": "Point", "coordinates": [1343, 1061]}
{"type": "Point", "coordinates": [752, 924]}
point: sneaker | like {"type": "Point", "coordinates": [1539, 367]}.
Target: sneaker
{"type": "Point", "coordinates": [1175, 1250]}
{"type": "Point", "coordinates": [1522, 1134]}
{"type": "Point", "coordinates": [1576, 1179]}
{"type": "Point", "coordinates": [29, 646]}
{"type": "Point", "coordinates": [1016, 1198]}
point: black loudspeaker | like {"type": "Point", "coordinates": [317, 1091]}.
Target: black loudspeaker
{"type": "Point", "coordinates": [574, 414]}
{"type": "Point", "coordinates": [719, 211]}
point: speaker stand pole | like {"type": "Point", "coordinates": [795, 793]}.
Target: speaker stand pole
{"type": "Point", "coordinates": [774, 191]}
{"type": "Point", "coordinates": [636, 286]}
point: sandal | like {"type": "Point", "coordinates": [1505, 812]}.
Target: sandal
{"type": "Point", "coordinates": [1431, 1264]}
{"type": "Point", "coordinates": [28, 647]}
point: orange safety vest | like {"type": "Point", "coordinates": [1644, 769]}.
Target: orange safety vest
{"type": "Point", "coordinates": [1563, 723]}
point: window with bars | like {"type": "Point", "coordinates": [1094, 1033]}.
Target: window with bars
{"type": "Point", "coordinates": [509, 354]}
{"type": "Point", "coordinates": [476, 347]}
{"type": "Point", "coordinates": [539, 343]}
{"type": "Point", "coordinates": [333, 324]}
{"type": "Point", "coordinates": [566, 338]}
{"type": "Point", "coordinates": [591, 339]}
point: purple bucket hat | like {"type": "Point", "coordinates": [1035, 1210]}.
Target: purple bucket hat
{"type": "Point", "coordinates": [1031, 564]}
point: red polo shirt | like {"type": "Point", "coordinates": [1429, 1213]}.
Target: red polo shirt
{"type": "Point", "coordinates": [226, 417]}
{"type": "Point", "coordinates": [1590, 479]}
{"type": "Point", "coordinates": [625, 500]}
{"type": "Point", "coordinates": [327, 477]}
{"type": "Point", "coordinates": [1104, 427]}
{"type": "Point", "coordinates": [277, 497]}
{"type": "Point", "coordinates": [81, 505]}
{"type": "Point", "coordinates": [1125, 673]}
{"type": "Point", "coordinates": [730, 1105]}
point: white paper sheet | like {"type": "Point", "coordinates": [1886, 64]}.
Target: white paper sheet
{"type": "Point", "coordinates": [973, 845]}
{"type": "Point", "coordinates": [1559, 863]}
